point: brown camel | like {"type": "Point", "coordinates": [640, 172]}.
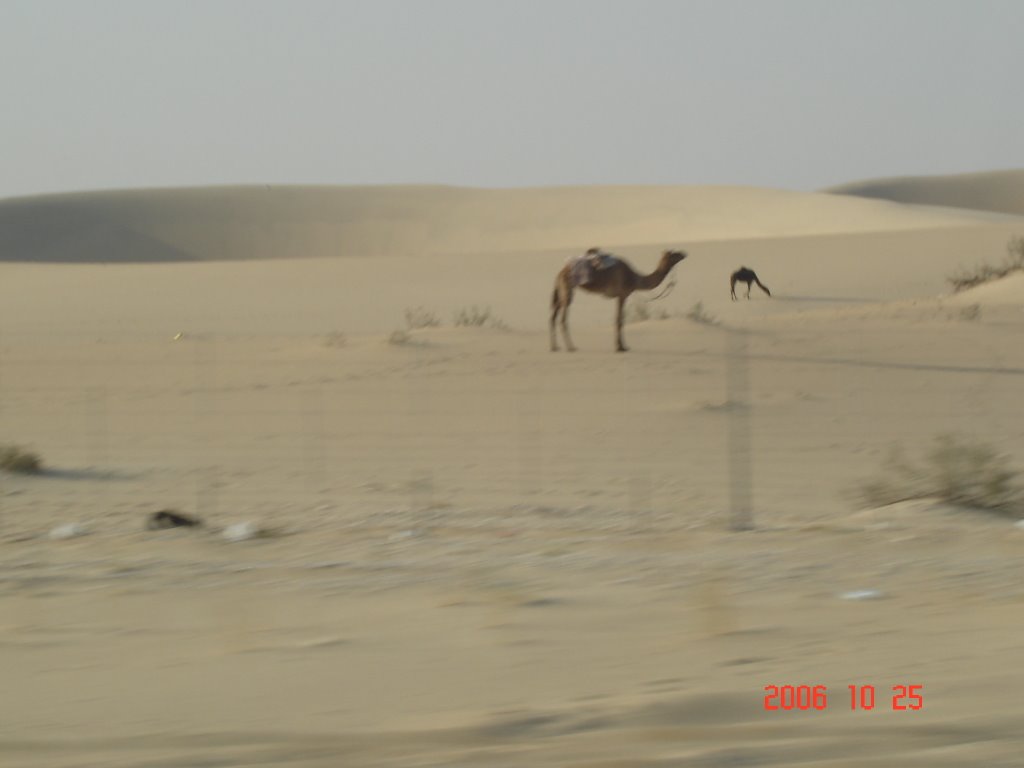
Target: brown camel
{"type": "Point", "coordinates": [748, 276]}
{"type": "Point", "coordinates": [609, 276]}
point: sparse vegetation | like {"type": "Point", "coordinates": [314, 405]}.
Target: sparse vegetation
{"type": "Point", "coordinates": [971, 312]}
{"type": "Point", "coordinates": [636, 310]}
{"type": "Point", "coordinates": [698, 314]}
{"type": "Point", "coordinates": [477, 317]}
{"type": "Point", "coordinates": [399, 338]}
{"type": "Point", "coordinates": [16, 459]}
{"type": "Point", "coordinates": [956, 470]}
{"type": "Point", "coordinates": [467, 317]}
{"type": "Point", "coordinates": [419, 317]}
{"type": "Point", "coordinates": [983, 273]}
{"type": "Point", "coordinates": [335, 339]}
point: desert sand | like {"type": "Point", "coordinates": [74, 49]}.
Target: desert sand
{"type": "Point", "coordinates": [479, 552]}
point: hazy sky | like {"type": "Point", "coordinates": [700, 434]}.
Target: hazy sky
{"type": "Point", "coordinates": [797, 94]}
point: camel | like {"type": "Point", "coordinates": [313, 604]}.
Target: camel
{"type": "Point", "coordinates": [609, 276]}
{"type": "Point", "coordinates": [748, 276]}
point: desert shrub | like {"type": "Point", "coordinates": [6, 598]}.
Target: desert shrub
{"type": "Point", "coordinates": [698, 314]}
{"type": "Point", "coordinates": [955, 469]}
{"type": "Point", "coordinates": [15, 459]}
{"type": "Point", "coordinates": [638, 309]}
{"type": "Point", "coordinates": [983, 273]}
{"type": "Point", "coordinates": [971, 473]}
{"type": "Point", "coordinates": [477, 317]}
{"type": "Point", "coordinates": [971, 312]}
{"type": "Point", "coordinates": [335, 339]}
{"type": "Point", "coordinates": [399, 338]}
{"type": "Point", "coordinates": [418, 317]}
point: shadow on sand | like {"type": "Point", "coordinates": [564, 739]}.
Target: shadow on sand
{"type": "Point", "coordinates": [86, 473]}
{"type": "Point", "coordinates": [827, 299]}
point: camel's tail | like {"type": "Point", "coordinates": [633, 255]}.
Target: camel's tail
{"type": "Point", "coordinates": [554, 298]}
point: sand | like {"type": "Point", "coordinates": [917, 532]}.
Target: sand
{"type": "Point", "coordinates": [479, 552]}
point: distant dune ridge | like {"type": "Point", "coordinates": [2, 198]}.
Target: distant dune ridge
{"type": "Point", "coordinates": [268, 222]}
{"type": "Point", "coordinates": [997, 191]}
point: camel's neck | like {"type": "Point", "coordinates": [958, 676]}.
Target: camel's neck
{"type": "Point", "coordinates": [653, 280]}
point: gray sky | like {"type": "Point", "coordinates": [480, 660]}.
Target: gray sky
{"type": "Point", "coordinates": [795, 94]}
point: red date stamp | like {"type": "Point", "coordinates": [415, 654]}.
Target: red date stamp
{"type": "Point", "coordinates": [805, 697]}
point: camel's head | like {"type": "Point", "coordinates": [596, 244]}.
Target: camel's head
{"type": "Point", "coordinates": [671, 258]}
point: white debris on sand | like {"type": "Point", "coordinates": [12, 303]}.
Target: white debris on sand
{"type": "Point", "coordinates": [861, 594]}
{"type": "Point", "coordinates": [67, 531]}
{"type": "Point", "coordinates": [242, 532]}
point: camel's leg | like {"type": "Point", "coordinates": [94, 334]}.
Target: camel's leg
{"type": "Point", "coordinates": [748, 290]}
{"type": "Point", "coordinates": [619, 346]}
{"type": "Point", "coordinates": [566, 300]}
{"type": "Point", "coordinates": [556, 306]}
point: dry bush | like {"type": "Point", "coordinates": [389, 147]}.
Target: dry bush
{"type": "Point", "coordinates": [16, 459]}
{"type": "Point", "coordinates": [970, 313]}
{"type": "Point", "coordinates": [955, 469]}
{"type": "Point", "coordinates": [637, 310]}
{"type": "Point", "coordinates": [399, 338]}
{"type": "Point", "coordinates": [335, 339]}
{"type": "Point", "coordinates": [419, 317]}
{"type": "Point", "coordinates": [983, 273]}
{"type": "Point", "coordinates": [972, 474]}
{"type": "Point", "coordinates": [477, 317]}
{"type": "Point", "coordinates": [698, 314]}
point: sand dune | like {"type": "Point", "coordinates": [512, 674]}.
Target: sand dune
{"type": "Point", "coordinates": [315, 297]}
{"type": "Point", "coordinates": [315, 222]}
{"type": "Point", "coordinates": [485, 553]}
{"type": "Point", "coordinates": [998, 191]}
